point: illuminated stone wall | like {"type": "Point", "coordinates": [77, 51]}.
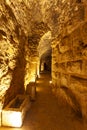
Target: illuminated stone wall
{"type": "Point", "coordinates": [17, 58]}
{"type": "Point", "coordinates": [23, 24]}
{"type": "Point", "coordinates": [12, 55]}
{"type": "Point", "coordinates": [69, 56]}
{"type": "Point", "coordinates": [18, 46]}
{"type": "Point", "coordinates": [8, 51]}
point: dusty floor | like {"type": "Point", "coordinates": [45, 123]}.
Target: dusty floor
{"type": "Point", "coordinates": [46, 113]}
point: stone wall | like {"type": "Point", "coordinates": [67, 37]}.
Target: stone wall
{"type": "Point", "coordinates": [69, 58]}
{"type": "Point", "coordinates": [22, 24]}
{"type": "Point", "coordinates": [12, 55]}
{"type": "Point", "coordinates": [21, 27]}
{"type": "Point", "coordinates": [8, 52]}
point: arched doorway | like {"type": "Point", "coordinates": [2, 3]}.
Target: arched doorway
{"type": "Point", "coordinates": [45, 51]}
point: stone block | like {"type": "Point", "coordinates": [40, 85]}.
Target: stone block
{"type": "Point", "coordinates": [13, 114]}
{"type": "Point", "coordinates": [31, 90]}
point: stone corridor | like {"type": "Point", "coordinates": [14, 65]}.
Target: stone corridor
{"type": "Point", "coordinates": [38, 36]}
{"type": "Point", "coordinates": [46, 113]}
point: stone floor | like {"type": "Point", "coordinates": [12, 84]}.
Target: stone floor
{"type": "Point", "coordinates": [46, 113]}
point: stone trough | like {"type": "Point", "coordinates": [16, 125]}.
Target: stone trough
{"type": "Point", "coordinates": [13, 114]}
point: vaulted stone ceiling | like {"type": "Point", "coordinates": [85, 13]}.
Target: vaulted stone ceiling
{"type": "Point", "coordinates": [26, 16]}
{"type": "Point", "coordinates": [33, 17]}
{"type": "Point", "coordinates": [44, 46]}
{"type": "Point", "coordinates": [38, 30]}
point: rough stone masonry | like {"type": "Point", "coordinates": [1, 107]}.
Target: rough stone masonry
{"type": "Point", "coordinates": [22, 25]}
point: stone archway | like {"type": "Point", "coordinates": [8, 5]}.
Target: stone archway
{"type": "Point", "coordinates": [44, 49]}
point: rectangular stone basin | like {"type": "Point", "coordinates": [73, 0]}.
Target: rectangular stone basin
{"type": "Point", "coordinates": [13, 114]}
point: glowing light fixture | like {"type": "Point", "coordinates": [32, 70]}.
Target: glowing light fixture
{"type": "Point", "coordinates": [50, 82]}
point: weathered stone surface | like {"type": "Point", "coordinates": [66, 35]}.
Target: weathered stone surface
{"type": "Point", "coordinates": [24, 24]}
{"type": "Point", "coordinates": [69, 52]}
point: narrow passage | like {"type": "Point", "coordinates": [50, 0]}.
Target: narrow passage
{"type": "Point", "coordinates": [46, 113]}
